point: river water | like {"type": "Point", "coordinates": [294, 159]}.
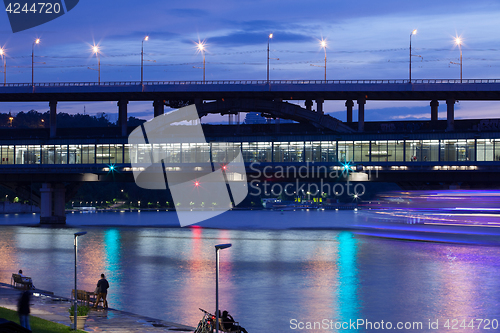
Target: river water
{"type": "Point", "coordinates": [284, 269]}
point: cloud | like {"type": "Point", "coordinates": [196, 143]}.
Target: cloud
{"type": "Point", "coordinates": [258, 38]}
{"type": "Point", "coordinates": [188, 12]}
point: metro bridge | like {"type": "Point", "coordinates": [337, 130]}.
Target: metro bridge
{"type": "Point", "coordinates": [267, 97]}
{"type": "Point", "coordinates": [61, 164]}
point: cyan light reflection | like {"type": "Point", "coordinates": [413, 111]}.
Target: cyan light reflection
{"type": "Point", "coordinates": [112, 246]}
{"type": "Point", "coordinates": [347, 292]}
{"type": "Point", "coordinates": [112, 249]}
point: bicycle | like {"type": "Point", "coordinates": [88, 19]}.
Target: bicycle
{"type": "Point", "coordinates": [206, 324]}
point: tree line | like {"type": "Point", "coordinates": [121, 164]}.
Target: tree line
{"type": "Point", "coordinates": [35, 119]}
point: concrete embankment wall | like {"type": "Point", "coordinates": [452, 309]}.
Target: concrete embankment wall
{"type": "Point", "coordinates": [9, 207]}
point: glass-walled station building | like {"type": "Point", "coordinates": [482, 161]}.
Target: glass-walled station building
{"type": "Point", "coordinates": [465, 147]}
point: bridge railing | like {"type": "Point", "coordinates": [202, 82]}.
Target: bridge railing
{"type": "Point", "coordinates": [252, 82]}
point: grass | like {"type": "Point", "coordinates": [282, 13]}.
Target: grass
{"type": "Point", "coordinates": [38, 325]}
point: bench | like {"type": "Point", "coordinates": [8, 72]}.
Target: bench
{"type": "Point", "coordinates": [87, 297]}
{"type": "Point", "coordinates": [24, 281]}
{"type": "Point", "coordinates": [222, 328]}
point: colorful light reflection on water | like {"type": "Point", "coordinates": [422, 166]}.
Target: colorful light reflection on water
{"type": "Point", "coordinates": [271, 275]}
{"type": "Point", "coordinates": [268, 277]}
{"type": "Point", "coordinates": [423, 215]}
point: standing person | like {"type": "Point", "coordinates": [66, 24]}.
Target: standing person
{"type": "Point", "coordinates": [23, 309]}
{"type": "Point", "coordinates": [102, 289]}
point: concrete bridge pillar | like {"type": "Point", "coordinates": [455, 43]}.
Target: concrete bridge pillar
{"type": "Point", "coordinates": [349, 104]}
{"type": "Point", "coordinates": [122, 116]}
{"type": "Point", "coordinates": [450, 114]}
{"type": "Point", "coordinates": [319, 105]}
{"type": "Point", "coordinates": [159, 108]}
{"type": "Point", "coordinates": [59, 202]}
{"type": "Point", "coordinates": [53, 118]}
{"type": "Point", "coordinates": [434, 111]}
{"type": "Point", "coordinates": [52, 202]}
{"type": "Point", "coordinates": [361, 114]}
{"type": "Point", "coordinates": [309, 104]}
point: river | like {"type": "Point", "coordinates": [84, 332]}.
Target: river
{"type": "Point", "coordinates": [284, 271]}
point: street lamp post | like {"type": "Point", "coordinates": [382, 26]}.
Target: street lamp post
{"type": "Point", "coordinates": [76, 290]}
{"type": "Point", "coordinates": [458, 41]}
{"type": "Point", "coordinates": [142, 58]}
{"type": "Point", "coordinates": [217, 248]}
{"type": "Point", "coordinates": [201, 48]}
{"type": "Point", "coordinates": [4, 58]}
{"type": "Point", "coordinates": [96, 51]}
{"type": "Point", "coordinates": [37, 41]}
{"type": "Point", "coordinates": [268, 40]}
{"type": "Point", "coordinates": [414, 32]}
{"type": "Point", "coordinates": [323, 45]}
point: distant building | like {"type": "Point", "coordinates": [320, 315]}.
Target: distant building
{"type": "Point", "coordinates": [280, 120]}
{"type": "Point", "coordinates": [256, 118]}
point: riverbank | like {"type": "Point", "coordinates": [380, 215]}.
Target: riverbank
{"type": "Point", "coordinates": [55, 309]}
{"type": "Point", "coordinates": [7, 207]}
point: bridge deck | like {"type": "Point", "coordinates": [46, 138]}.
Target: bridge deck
{"type": "Point", "coordinates": [425, 89]}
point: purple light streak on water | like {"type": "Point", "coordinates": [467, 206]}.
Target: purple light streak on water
{"type": "Point", "coordinates": [168, 273]}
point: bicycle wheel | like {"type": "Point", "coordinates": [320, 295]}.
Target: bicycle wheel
{"type": "Point", "coordinates": [207, 328]}
{"type": "Point", "coordinates": [199, 328]}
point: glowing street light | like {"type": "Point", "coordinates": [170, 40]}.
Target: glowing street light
{"type": "Point", "coordinates": [268, 40]}
{"type": "Point", "coordinates": [95, 49]}
{"type": "Point", "coordinates": [323, 45]}
{"type": "Point", "coordinates": [201, 48]}
{"type": "Point", "coordinates": [142, 58]}
{"type": "Point", "coordinates": [414, 32]}
{"type": "Point", "coordinates": [458, 41]}
{"type": "Point", "coordinates": [4, 58]}
{"type": "Point", "coordinates": [37, 41]}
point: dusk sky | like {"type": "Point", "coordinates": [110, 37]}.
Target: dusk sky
{"type": "Point", "coordinates": [366, 40]}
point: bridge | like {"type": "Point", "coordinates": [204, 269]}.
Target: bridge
{"type": "Point", "coordinates": [260, 93]}
{"type": "Point", "coordinates": [62, 164]}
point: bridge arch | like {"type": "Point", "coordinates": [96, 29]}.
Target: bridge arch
{"type": "Point", "coordinates": [273, 109]}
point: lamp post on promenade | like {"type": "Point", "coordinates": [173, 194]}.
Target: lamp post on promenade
{"type": "Point", "coordinates": [217, 248]}
{"type": "Point", "coordinates": [76, 290]}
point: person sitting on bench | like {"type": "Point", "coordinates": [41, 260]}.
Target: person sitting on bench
{"type": "Point", "coordinates": [229, 323]}
{"type": "Point", "coordinates": [26, 279]}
